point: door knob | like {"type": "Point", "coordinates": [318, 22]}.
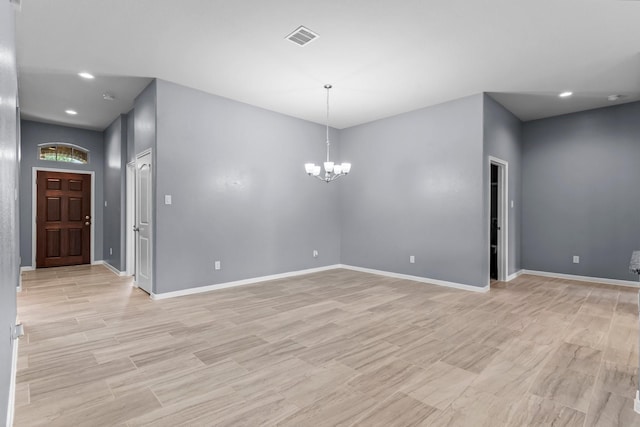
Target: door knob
{"type": "Point", "coordinates": [87, 217]}
{"type": "Point", "coordinates": [136, 228]}
{"type": "Point", "coordinates": [87, 223]}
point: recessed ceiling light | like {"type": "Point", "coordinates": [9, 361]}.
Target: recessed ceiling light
{"type": "Point", "coordinates": [108, 97]}
{"type": "Point", "coordinates": [565, 94]}
{"type": "Point", "coordinates": [71, 112]}
{"type": "Point", "coordinates": [614, 97]}
{"type": "Point", "coordinates": [86, 75]}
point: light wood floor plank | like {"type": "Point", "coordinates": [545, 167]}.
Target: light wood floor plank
{"type": "Point", "coordinates": [331, 348]}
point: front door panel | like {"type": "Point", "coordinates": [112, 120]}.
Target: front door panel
{"type": "Point", "coordinates": [63, 219]}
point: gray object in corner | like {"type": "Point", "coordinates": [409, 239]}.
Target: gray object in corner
{"type": "Point", "coordinates": [634, 266]}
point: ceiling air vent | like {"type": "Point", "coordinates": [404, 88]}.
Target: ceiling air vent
{"type": "Point", "coordinates": [302, 36]}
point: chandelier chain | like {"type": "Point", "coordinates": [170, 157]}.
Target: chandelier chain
{"type": "Point", "coordinates": [328, 87]}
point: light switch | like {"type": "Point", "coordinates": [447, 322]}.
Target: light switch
{"type": "Point", "coordinates": [512, 204]}
{"type": "Point", "coordinates": [167, 199]}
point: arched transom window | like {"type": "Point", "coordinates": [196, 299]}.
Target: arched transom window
{"type": "Point", "coordinates": [62, 152]}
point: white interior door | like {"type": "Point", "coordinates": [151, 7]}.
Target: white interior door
{"type": "Point", "coordinates": [144, 207]}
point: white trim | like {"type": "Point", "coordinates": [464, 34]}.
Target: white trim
{"type": "Point", "coordinates": [636, 402]}
{"type": "Point", "coordinates": [152, 219]}
{"type": "Point", "coordinates": [418, 279]}
{"type": "Point", "coordinates": [130, 219]}
{"type": "Point", "coordinates": [12, 385]}
{"type": "Point", "coordinates": [515, 275]}
{"type": "Point", "coordinates": [253, 280]}
{"type": "Point", "coordinates": [617, 282]}
{"type": "Point", "coordinates": [111, 267]}
{"type": "Point", "coordinates": [26, 268]}
{"type": "Point", "coordinates": [34, 207]}
{"type": "Point", "coordinates": [503, 217]}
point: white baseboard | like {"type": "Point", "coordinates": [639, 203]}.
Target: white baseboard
{"type": "Point", "coordinates": [12, 384]}
{"type": "Point", "coordinates": [418, 279]}
{"type": "Point", "coordinates": [110, 267]}
{"type": "Point", "coordinates": [627, 283]}
{"type": "Point", "coordinates": [515, 275]}
{"type": "Point", "coordinates": [26, 268]}
{"type": "Point", "coordinates": [253, 280]}
{"type": "Point", "coordinates": [636, 402]}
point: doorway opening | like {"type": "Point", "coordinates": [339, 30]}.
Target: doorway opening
{"type": "Point", "coordinates": [63, 227]}
{"type": "Point", "coordinates": [498, 219]}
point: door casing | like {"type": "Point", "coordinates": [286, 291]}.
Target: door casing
{"type": "Point", "coordinates": [34, 208]}
{"type": "Point", "coordinates": [130, 220]}
{"type": "Point", "coordinates": [503, 219]}
{"type": "Point", "coordinates": [147, 286]}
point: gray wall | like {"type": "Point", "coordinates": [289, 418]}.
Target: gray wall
{"type": "Point", "coordinates": [502, 139]}
{"type": "Point", "coordinates": [34, 133]}
{"type": "Point", "coordinates": [131, 149]}
{"type": "Point", "coordinates": [581, 192]}
{"type": "Point", "coordinates": [115, 154]}
{"type": "Point", "coordinates": [9, 242]}
{"type": "Point", "coordinates": [416, 188]}
{"type": "Point", "coordinates": [144, 120]}
{"type": "Point", "coordinates": [240, 193]}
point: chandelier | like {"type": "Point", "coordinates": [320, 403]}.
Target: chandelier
{"type": "Point", "coordinates": [331, 170]}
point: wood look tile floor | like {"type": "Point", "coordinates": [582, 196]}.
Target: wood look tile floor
{"type": "Point", "coordinates": [333, 348]}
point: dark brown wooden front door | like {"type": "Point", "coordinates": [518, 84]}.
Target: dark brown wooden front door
{"type": "Point", "coordinates": [63, 219]}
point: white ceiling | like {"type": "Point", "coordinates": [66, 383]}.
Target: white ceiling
{"type": "Point", "coordinates": [383, 57]}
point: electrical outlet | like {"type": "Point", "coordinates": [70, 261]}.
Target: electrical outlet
{"type": "Point", "coordinates": [412, 259]}
{"type": "Point", "coordinates": [315, 253]}
{"type": "Point", "coordinates": [217, 265]}
{"type": "Point", "coordinates": [576, 259]}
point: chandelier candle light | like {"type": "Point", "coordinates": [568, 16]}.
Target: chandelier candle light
{"type": "Point", "coordinates": [331, 170]}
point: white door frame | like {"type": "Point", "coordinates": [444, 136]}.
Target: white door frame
{"type": "Point", "coordinates": [130, 266]}
{"type": "Point", "coordinates": [151, 221]}
{"type": "Point", "coordinates": [34, 208]}
{"type": "Point", "coordinates": [503, 217]}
